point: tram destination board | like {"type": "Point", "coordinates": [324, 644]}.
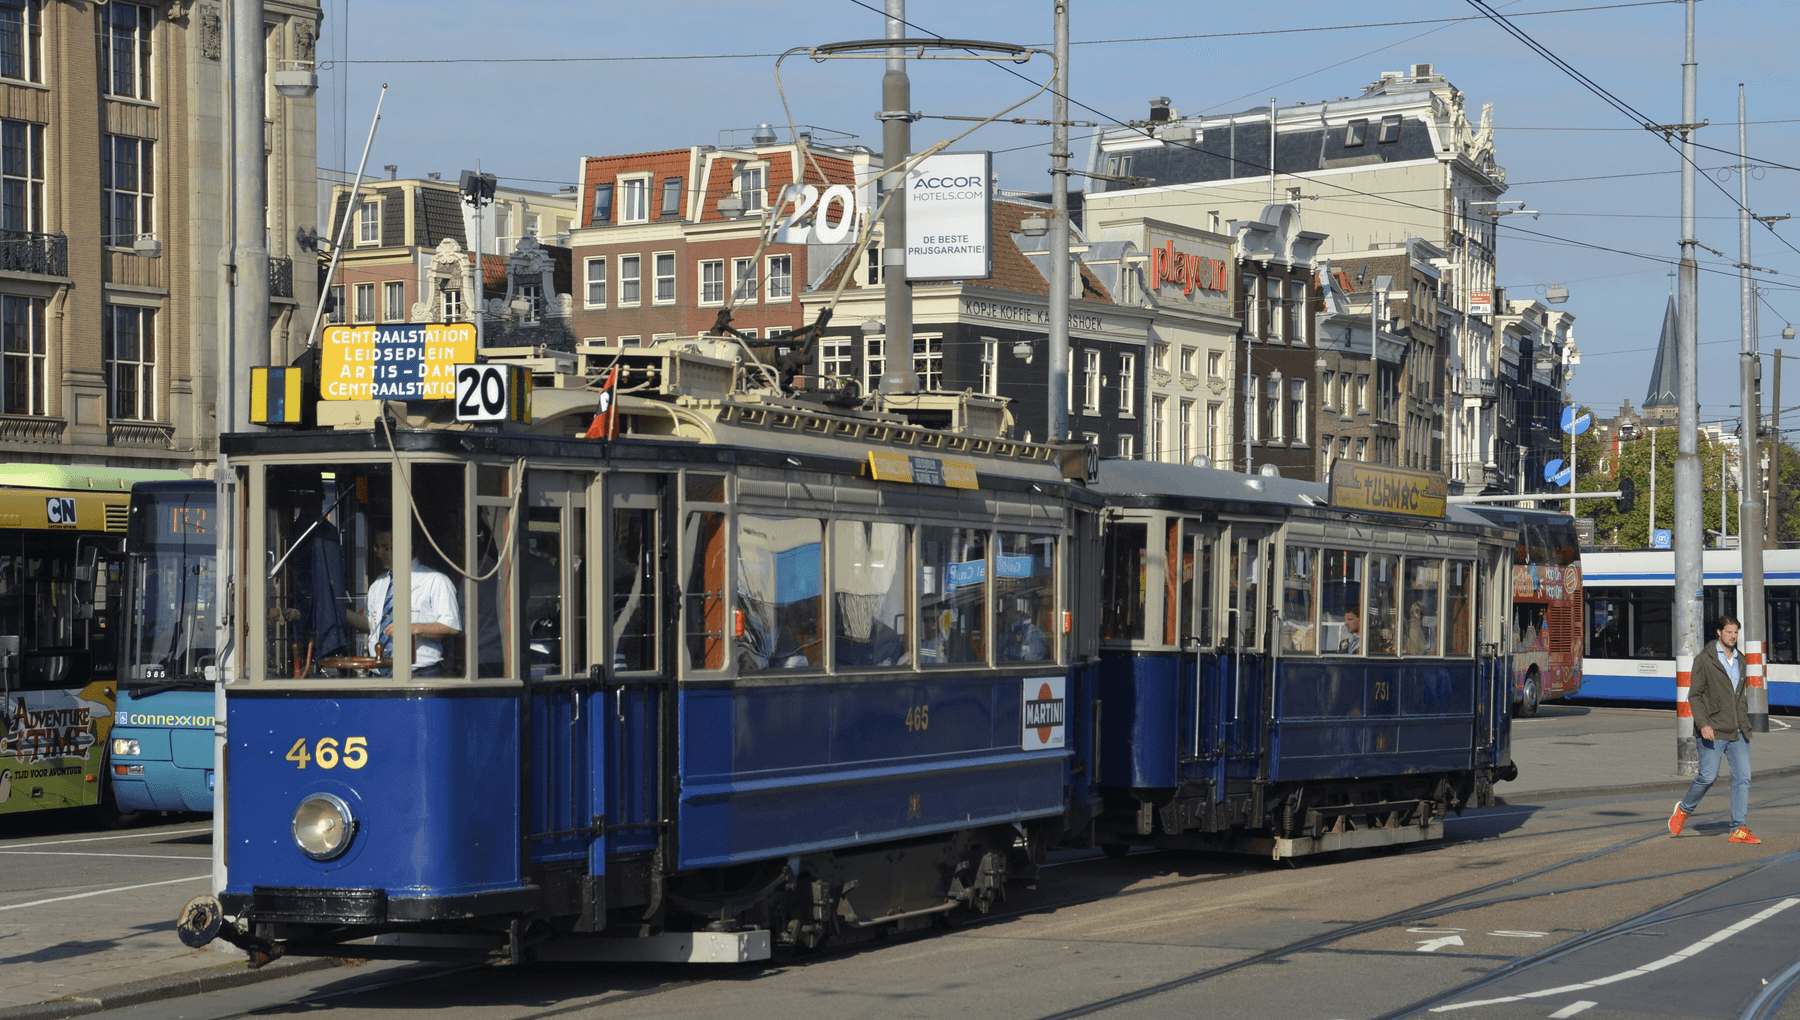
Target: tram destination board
{"type": "Point", "coordinates": [1356, 486]}
{"type": "Point", "coordinates": [403, 361]}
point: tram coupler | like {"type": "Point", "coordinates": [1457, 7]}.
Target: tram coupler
{"type": "Point", "coordinates": [203, 920]}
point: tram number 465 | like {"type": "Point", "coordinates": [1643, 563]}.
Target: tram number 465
{"type": "Point", "coordinates": [325, 751]}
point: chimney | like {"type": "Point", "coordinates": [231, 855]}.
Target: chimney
{"type": "Point", "coordinates": [393, 171]}
{"type": "Point", "coordinates": [1159, 110]}
{"type": "Point", "coordinates": [765, 135]}
{"type": "Point", "coordinates": [434, 175]}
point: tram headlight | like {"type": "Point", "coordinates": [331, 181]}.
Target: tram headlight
{"type": "Point", "coordinates": [323, 826]}
{"type": "Point", "coordinates": [122, 745]}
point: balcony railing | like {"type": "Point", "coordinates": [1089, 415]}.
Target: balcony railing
{"type": "Point", "coordinates": [25, 252]}
{"type": "Point", "coordinates": [281, 277]}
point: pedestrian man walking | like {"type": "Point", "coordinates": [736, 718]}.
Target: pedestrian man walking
{"type": "Point", "coordinates": [1720, 698]}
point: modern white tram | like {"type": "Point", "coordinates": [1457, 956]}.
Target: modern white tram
{"type": "Point", "coordinates": [1630, 630]}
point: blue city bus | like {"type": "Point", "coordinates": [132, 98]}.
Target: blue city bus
{"type": "Point", "coordinates": [162, 734]}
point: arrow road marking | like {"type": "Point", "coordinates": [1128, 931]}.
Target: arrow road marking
{"type": "Point", "coordinates": [1433, 945]}
{"type": "Point", "coordinates": [1655, 965]}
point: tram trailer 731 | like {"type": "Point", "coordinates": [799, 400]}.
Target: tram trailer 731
{"type": "Point", "coordinates": [759, 674]}
{"type": "Point", "coordinates": [1283, 676]}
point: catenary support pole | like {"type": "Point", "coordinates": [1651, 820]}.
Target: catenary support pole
{"type": "Point", "coordinates": [896, 146]}
{"type": "Point", "coordinates": [1688, 522]}
{"type": "Point", "coordinates": [1750, 517]}
{"type": "Point", "coordinates": [1060, 270]}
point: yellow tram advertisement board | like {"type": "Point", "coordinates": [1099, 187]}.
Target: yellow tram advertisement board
{"type": "Point", "coordinates": [404, 361]}
{"type": "Point", "coordinates": [904, 467]}
{"type": "Point", "coordinates": [1391, 490]}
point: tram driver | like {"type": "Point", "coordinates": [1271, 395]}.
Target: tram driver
{"type": "Point", "coordinates": [435, 612]}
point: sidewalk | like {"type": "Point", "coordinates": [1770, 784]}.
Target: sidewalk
{"type": "Point", "coordinates": [95, 951]}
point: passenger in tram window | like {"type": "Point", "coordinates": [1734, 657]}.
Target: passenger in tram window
{"type": "Point", "coordinates": [1022, 640]}
{"type": "Point", "coordinates": [435, 612]}
{"type": "Point", "coordinates": [1352, 642]}
{"type": "Point", "coordinates": [1414, 643]}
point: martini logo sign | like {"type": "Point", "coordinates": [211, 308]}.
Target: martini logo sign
{"type": "Point", "coordinates": [1044, 713]}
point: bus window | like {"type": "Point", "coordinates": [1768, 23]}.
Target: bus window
{"type": "Point", "coordinates": [1459, 584]}
{"type": "Point", "coordinates": [1565, 544]}
{"type": "Point", "coordinates": [1124, 564]}
{"type": "Point", "coordinates": [952, 595]}
{"type": "Point", "coordinates": [1721, 600]}
{"type": "Point", "coordinates": [1299, 631]}
{"type": "Point", "coordinates": [868, 594]}
{"type": "Point", "coordinates": [1340, 602]}
{"type": "Point", "coordinates": [1419, 610]}
{"type": "Point", "coordinates": [779, 581]}
{"type": "Point", "coordinates": [1382, 620]}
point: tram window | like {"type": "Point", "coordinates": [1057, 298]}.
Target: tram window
{"type": "Point", "coordinates": [868, 594]}
{"type": "Point", "coordinates": [1246, 589]}
{"type": "Point", "coordinates": [703, 539]}
{"type": "Point", "coordinates": [634, 589]}
{"type": "Point", "coordinates": [575, 548]}
{"type": "Point", "coordinates": [952, 595]}
{"type": "Point", "coordinates": [702, 488]}
{"type": "Point", "coordinates": [493, 592]}
{"type": "Point", "coordinates": [1720, 600]}
{"type": "Point", "coordinates": [543, 579]}
{"type": "Point", "coordinates": [1419, 610]}
{"type": "Point", "coordinates": [1459, 595]}
{"type": "Point", "coordinates": [1299, 631]}
{"type": "Point", "coordinates": [779, 580]}
{"type": "Point", "coordinates": [439, 547]}
{"type": "Point", "coordinates": [1189, 563]}
{"type": "Point", "coordinates": [311, 595]}
{"type": "Point", "coordinates": [1340, 602]}
{"type": "Point", "coordinates": [1650, 615]}
{"type": "Point", "coordinates": [1124, 563]}
{"type": "Point", "coordinates": [1608, 624]}
{"type": "Point", "coordinates": [1025, 596]}
{"type": "Point", "coordinates": [1172, 579]}
{"type": "Point", "coordinates": [1784, 615]}
{"type": "Point", "coordinates": [1204, 579]}
{"type": "Point", "coordinates": [1382, 621]}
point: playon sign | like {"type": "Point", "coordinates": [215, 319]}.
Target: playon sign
{"type": "Point", "coordinates": [1190, 271]}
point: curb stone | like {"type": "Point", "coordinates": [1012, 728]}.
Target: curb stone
{"type": "Point", "coordinates": [212, 979]}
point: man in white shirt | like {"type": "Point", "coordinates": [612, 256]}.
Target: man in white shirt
{"type": "Point", "coordinates": [435, 611]}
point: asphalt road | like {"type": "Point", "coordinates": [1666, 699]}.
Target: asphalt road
{"type": "Point", "coordinates": [1558, 905]}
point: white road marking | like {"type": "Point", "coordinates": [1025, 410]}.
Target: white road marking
{"type": "Point", "coordinates": [1571, 1009]}
{"type": "Point", "coordinates": [102, 839]}
{"type": "Point", "coordinates": [1668, 961]}
{"type": "Point", "coordinates": [1520, 934]}
{"type": "Point", "coordinates": [1433, 945]}
{"type": "Point", "coordinates": [1783, 725]}
{"type": "Point", "coordinates": [1434, 931]}
{"type": "Point", "coordinates": [77, 853]}
{"type": "Point", "coordinates": [103, 892]}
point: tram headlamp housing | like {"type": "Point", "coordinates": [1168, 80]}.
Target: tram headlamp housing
{"type": "Point", "coordinates": [124, 745]}
{"type": "Point", "coordinates": [323, 826]}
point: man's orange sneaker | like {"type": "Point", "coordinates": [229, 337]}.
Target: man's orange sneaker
{"type": "Point", "coordinates": [1742, 834]}
{"type": "Point", "coordinates": [1677, 820]}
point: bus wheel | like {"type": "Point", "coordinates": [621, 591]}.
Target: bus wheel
{"type": "Point", "coordinates": [1528, 703]}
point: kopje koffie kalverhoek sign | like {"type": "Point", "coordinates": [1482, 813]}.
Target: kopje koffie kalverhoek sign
{"type": "Point", "coordinates": [949, 217]}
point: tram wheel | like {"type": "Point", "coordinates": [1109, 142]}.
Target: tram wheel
{"type": "Point", "coordinates": [1528, 703]}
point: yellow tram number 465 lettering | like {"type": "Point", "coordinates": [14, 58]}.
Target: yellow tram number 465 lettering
{"type": "Point", "coordinates": [918, 717]}
{"type": "Point", "coordinates": [354, 755]}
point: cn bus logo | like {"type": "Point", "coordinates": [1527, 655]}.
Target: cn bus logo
{"type": "Point", "coordinates": [61, 509]}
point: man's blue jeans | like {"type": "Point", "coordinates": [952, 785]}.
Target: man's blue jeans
{"type": "Point", "coordinates": [1710, 752]}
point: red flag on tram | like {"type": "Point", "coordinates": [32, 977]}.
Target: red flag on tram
{"type": "Point", "coordinates": [606, 418]}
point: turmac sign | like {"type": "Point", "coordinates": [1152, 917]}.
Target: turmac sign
{"type": "Point", "coordinates": [949, 217]}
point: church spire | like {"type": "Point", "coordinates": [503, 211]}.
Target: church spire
{"type": "Point", "coordinates": [1661, 402]}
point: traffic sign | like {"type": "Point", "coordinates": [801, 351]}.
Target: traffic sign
{"type": "Point", "coordinates": [1551, 469]}
{"type": "Point", "coordinates": [1576, 423]}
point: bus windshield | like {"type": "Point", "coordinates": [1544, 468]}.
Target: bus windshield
{"type": "Point", "coordinates": [170, 546]}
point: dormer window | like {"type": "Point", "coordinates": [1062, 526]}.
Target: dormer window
{"type": "Point", "coordinates": [750, 184]}
{"type": "Point", "coordinates": [1355, 132]}
{"type": "Point", "coordinates": [1390, 130]}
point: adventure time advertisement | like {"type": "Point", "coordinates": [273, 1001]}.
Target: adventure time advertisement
{"type": "Point", "coordinates": [52, 743]}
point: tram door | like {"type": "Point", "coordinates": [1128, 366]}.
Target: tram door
{"type": "Point", "coordinates": [553, 554]}
{"type": "Point", "coordinates": [1193, 578]}
{"type": "Point", "coordinates": [1247, 586]}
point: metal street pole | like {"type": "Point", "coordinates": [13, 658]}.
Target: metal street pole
{"type": "Point", "coordinates": [896, 146]}
{"type": "Point", "coordinates": [1688, 522]}
{"type": "Point", "coordinates": [1750, 518]}
{"type": "Point", "coordinates": [1058, 342]}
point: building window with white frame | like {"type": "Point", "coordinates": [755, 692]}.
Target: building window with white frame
{"type": "Point", "coordinates": [1127, 446]}
{"type": "Point", "coordinates": [1362, 449]}
{"type": "Point", "coordinates": [781, 277]}
{"type": "Point", "coordinates": [22, 40]}
{"type": "Point", "coordinates": [21, 173]}
{"type": "Point", "coordinates": [603, 206]}
{"type": "Point", "coordinates": [365, 302]}
{"type": "Point", "coordinates": [368, 223]}
{"type": "Point", "coordinates": [22, 355]}
{"type": "Point", "coordinates": [1296, 312]}
{"type": "Point", "coordinates": [453, 305]}
{"type": "Point", "coordinates": [1159, 414]}
{"type": "Point", "coordinates": [127, 181]}
{"type": "Point", "coordinates": [1090, 382]}
{"type": "Point", "coordinates": [712, 282]}
{"type": "Point", "coordinates": [1297, 407]}
{"type": "Point", "coordinates": [631, 280]}
{"type": "Point", "coordinates": [1215, 431]}
{"type": "Point", "coordinates": [1159, 355]}
{"type": "Point", "coordinates": [1250, 316]}
{"type": "Point", "coordinates": [1362, 395]}
{"type": "Point", "coordinates": [990, 366]}
{"type": "Point", "coordinates": [596, 282]}
{"type": "Point", "coordinates": [631, 341]}
{"type": "Point", "coordinates": [1277, 312]}
{"type": "Point", "coordinates": [1325, 391]}
{"type": "Point", "coordinates": [743, 275]}
{"type": "Point", "coordinates": [128, 341]}
{"type": "Point", "coordinates": [749, 183]}
{"type": "Point", "coordinates": [1215, 364]}
{"type": "Point", "coordinates": [1187, 362]}
{"type": "Point", "coordinates": [1276, 417]}
{"type": "Point", "coordinates": [634, 200]}
{"type": "Point", "coordinates": [394, 295]}
{"type": "Point", "coordinates": [671, 197]}
{"type": "Point", "coordinates": [125, 33]}
{"type": "Point", "coordinates": [928, 361]}
{"type": "Point", "coordinates": [1127, 385]}
{"type": "Point", "coordinates": [1252, 408]}
{"type": "Point", "coordinates": [533, 296]}
{"type": "Point", "coordinates": [872, 260]}
{"type": "Point", "coordinates": [834, 357]}
{"type": "Point", "coordinates": [665, 278]}
{"type": "Point", "coordinates": [334, 305]}
{"type": "Point", "coordinates": [874, 362]}
{"type": "Point", "coordinates": [1187, 426]}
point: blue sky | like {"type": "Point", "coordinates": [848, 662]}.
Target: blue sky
{"type": "Point", "coordinates": [528, 97]}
